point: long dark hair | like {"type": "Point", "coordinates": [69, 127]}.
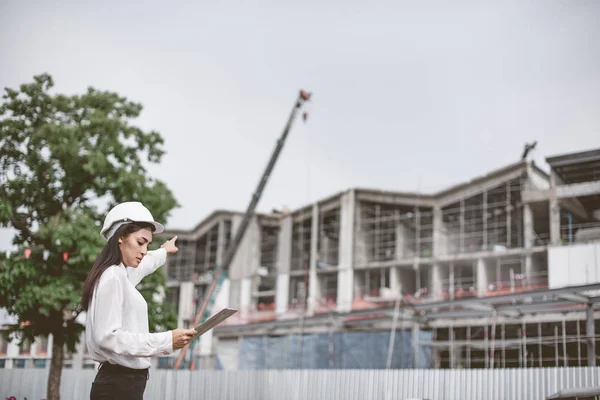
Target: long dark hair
{"type": "Point", "coordinates": [109, 256]}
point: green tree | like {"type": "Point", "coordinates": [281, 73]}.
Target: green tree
{"type": "Point", "coordinates": [61, 158]}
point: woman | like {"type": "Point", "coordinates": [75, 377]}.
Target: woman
{"type": "Point", "coordinates": [117, 315]}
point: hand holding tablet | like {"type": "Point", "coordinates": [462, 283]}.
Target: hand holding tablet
{"type": "Point", "coordinates": [214, 321]}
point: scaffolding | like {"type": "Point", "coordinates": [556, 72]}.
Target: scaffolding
{"type": "Point", "coordinates": [269, 245]}
{"type": "Point", "coordinates": [458, 281]}
{"type": "Point", "coordinates": [265, 281]}
{"type": "Point", "coordinates": [172, 297]}
{"type": "Point", "coordinates": [328, 246]}
{"type": "Point", "coordinates": [371, 282]}
{"type": "Point", "coordinates": [394, 232]}
{"type": "Point", "coordinates": [520, 345]}
{"type": "Point", "coordinates": [180, 267]}
{"type": "Point", "coordinates": [506, 331]}
{"type": "Point", "coordinates": [197, 257]}
{"type": "Point", "coordinates": [297, 293]}
{"type": "Point", "coordinates": [207, 247]}
{"type": "Point", "coordinates": [301, 236]}
{"type": "Point", "coordinates": [488, 221]}
{"type": "Point", "coordinates": [327, 286]}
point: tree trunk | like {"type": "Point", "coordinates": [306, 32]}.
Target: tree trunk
{"type": "Point", "coordinates": [56, 365]}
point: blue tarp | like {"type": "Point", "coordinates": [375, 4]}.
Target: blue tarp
{"type": "Point", "coordinates": [339, 350]}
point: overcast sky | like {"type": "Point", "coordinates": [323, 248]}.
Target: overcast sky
{"type": "Point", "coordinates": [407, 95]}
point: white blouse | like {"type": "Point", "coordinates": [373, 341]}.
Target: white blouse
{"type": "Point", "coordinates": [117, 317]}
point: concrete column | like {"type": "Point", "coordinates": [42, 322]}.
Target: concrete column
{"type": "Point", "coordinates": [451, 281]}
{"type": "Point", "coordinates": [284, 259]}
{"type": "Point", "coordinates": [395, 285]}
{"type": "Point", "coordinates": [282, 294]}
{"type": "Point", "coordinates": [436, 280]}
{"type": "Point", "coordinates": [484, 242]}
{"type": "Point", "coordinates": [528, 233]}
{"type": "Point", "coordinates": [360, 244]}
{"type": "Point", "coordinates": [234, 269]}
{"type": "Point", "coordinates": [554, 222]}
{"type": "Point", "coordinates": [221, 301]}
{"type": "Point", "coordinates": [400, 242]}
{"type": "Point", "coordinates": [481, 277]}
{"type": "Point", "coordinates": [246, 261]}
{"type": "Point", "coordinates": [346, 265]}
{"type": "Point", "coordinates": [284, 242]}
{"type": "Point", "coordinates": [417, 245]}
{"type": "Point", "coordinates": [312, 263]}
{"type": "Point", "coordinates": [590, 332]}
{"type": "Point", "coordinates": [235, 289]}
{"type": "Point", "coordinates": [554, 208]}
{"type": "Point", "coordinates": [439, 248]}
{"type": "Point", "coordinates": [528, 237]}
{"type": "Point", "coordinates": [528, 269]}
{"type": "Point", "coordinates": [245, 296]}
{"type": "Point", "coordinates": [462, 226]}
{"type": "Point", "coordinates": [508, 216]}
{"type": "Point", "coordinates": [187, 307]}
{"type": "Point", "coordinates": [205, 345]}
{"type": "Point", "coordinates": [415, 345]}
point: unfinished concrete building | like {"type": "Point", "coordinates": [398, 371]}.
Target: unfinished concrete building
{"type": "Point", "coordinates": [501, 271]}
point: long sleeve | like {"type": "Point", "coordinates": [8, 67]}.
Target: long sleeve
{"type": "Point", "coordinates": [107, 327]}
{"type": "Point", "coordinates": [150, 263]}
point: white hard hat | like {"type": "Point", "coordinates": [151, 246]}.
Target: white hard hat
{"type": "Point", "coordinates": [130, 211]}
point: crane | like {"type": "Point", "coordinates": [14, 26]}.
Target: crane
{"type": "Point", "coordinates": [220, 270]}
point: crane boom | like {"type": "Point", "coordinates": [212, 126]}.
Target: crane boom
{"type": "Point", "coordinates": [303, 96]}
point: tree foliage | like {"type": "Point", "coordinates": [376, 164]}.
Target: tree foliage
{"type": "Point", "coordinates": [63, 160]}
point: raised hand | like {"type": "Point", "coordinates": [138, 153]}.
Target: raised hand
{"type": "Point", "coordinates": [169, 245]}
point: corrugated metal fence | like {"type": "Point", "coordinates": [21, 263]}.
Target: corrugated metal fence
{"type": "Point", "coordinates": [500, 384]}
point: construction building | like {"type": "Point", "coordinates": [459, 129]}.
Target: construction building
{"type": "Point", "coordinates": [502, 271]}
{"type": "Point", "coordinates": [497, 272]}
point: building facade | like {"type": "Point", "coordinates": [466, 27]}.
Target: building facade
{"type": "Point", "coordinates": [332, 267]}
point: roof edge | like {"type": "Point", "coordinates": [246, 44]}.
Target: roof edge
{"type": "Point", "coordinates": [482, 178]}
{"type": "Point", "coordinates": [574, 157]}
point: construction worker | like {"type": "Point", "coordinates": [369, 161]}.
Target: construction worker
{"type": "Point", "coordinates": [117, 315]}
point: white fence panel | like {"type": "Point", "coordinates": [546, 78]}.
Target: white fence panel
{"type": "Point", "coordinates": [498, 384]}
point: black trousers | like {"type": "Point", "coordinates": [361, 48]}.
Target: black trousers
{"type": "Point", "coordinates": [114, 382]}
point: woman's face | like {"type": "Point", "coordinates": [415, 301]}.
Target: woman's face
{"type": "Point", "coordinates": [135, 246]}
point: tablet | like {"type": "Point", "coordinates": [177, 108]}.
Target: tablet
{"type": "Point", "coordinates": [214, 321]}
